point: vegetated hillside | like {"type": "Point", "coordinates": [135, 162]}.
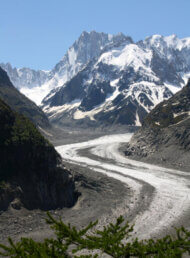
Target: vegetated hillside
{"type": "Point", "coordinates": [165, 134]}
{"type": "Point", "coordinates": [19, 102]}
{"type": "Point", "coordinates": [31, 172]}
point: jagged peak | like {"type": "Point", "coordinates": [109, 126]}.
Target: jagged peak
{"type": "Point", "coordinates": [170, 40]}
{"type": "Point", "coordinates": [109, 35]}
{"type": "Point", "coordinates": [7, 65]}
{"type": "Point", "coordinates": [91, 33]}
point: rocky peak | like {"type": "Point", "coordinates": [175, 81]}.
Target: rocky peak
{"type": "Point", "coordinates": [90, 45]}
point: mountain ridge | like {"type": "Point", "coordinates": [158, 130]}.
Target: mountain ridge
{"type": "Point", "coordinates": [164, 137]}
{"type": "Point", "coordinates": [37, 84]}
{"type": "Point", "coordinates": [20, 103]}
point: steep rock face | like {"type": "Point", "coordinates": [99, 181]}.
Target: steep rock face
{"type": "Point", "coordinates": [31, 172]}
{"type": "Point", "coordinates": [37, 84]}
{"type": "Point", "coordinates": [87, 47]}
{"type": "Point", "coordinates": [123, 84]}
{"type": "Point", "coordinates": [19, 102]}
{"type": "Point", "coordinates": [165, 134]}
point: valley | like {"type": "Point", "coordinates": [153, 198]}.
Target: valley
{"type": "Point", "coordinates": [161, 197]}
{"type": "Point", "coordinates": [156, 199]}
{"type": "Point", "coordinates": [95, 129]}
{"type": "Point", "coordinates": [110, 113]}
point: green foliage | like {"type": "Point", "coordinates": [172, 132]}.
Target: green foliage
{"type": "Point", "coordinates": [22, 147]}
{"type": "Point", "coordinates": [114, 240]}
{"type": "Point", "coordinates": [24, 131]}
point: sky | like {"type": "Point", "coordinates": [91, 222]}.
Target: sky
{"type": "Point", "coordinates": [37, 33]}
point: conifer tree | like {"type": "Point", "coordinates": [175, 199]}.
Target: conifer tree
{"type": "Point", "coordinates": [113, 240]}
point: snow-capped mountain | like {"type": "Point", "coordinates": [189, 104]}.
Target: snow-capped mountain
{"type": "Point", "coordinates": [24, 77]}
{"type": "Point", "coordinates": [37, 84]}
{"type": "Point", "coordinates": [123, 83]}
{"type": "Point", "coordinates": [108, 78]}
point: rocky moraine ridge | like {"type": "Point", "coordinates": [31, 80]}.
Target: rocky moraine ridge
{"type": "Point", "coordinates": [164, 137]}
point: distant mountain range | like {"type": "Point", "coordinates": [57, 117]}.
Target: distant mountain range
{"type": "Point", "coordinates": [108, 79]}
{"type": "Point", "coordinates": [37, 84]}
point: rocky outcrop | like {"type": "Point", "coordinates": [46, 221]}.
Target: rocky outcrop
{"type": "Point", "coordinates": [164, 138]}
{"type": "Point", "coordinates": [31, 171]}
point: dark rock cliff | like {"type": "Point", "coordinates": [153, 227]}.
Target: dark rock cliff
{"type": "Point", "coordinates": [31, 171]}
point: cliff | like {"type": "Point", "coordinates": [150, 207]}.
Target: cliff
{"type": "Point", "coordinates": [31, 171]}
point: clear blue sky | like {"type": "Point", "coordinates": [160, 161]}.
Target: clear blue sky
{"type": "Point", "coordinates": [37, 33]}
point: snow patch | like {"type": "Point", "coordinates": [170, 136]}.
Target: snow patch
{"type": "Point", "coordinates": [129, 55]}
{"type": "Point", "coordinates": [137, 122]}
{"type": "Point", "coordinates": [36, 94]}
{"type": "Point", "coordinates": [114, 82]}
{"type": "Point", "coordinates": [112, 96]}
{"type": "Point", "coordinates": [54, 111]}
{"type": "Point", "coordinates": [173, 88]}
{"type": "Point", "coordinates": [80, 114]}
{"type": "Point", "coordinates": [72, 56]}
{"type": "Point", "coordinates": [186, 77]}
{"type": "Point", "coordinates": [181, 113]}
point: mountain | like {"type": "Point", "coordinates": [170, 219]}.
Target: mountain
{"type": "Point", "coordinates": [108, 79]}
{"type": "Point", "coordinates": [164, 137]}
{"type": "Point", "coordinates": [31, 172]}
{"type": "Point", "coordinates": [25, 77]}
{"type": "Point", "coordinates": [123, 84]}
{"type": "Point", "coordinates": [37, 84]}
{"type": "Point", "coordinates": [20, 103]}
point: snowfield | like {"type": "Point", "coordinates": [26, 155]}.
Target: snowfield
{"type": "Point", "coordinates": [170, 199]}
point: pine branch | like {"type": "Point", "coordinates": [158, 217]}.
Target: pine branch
{"type": "Point", "coordinates": [113, 240]}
